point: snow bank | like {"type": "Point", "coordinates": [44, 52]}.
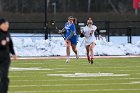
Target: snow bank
{"type": "Point", "coordinates": [56, 47]}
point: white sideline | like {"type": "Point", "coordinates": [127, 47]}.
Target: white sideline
{"type": "Point", "coordinates": [65, 85]}
{"type": "Point", "coordinates": [63, 57]}
{"type": "Point", "coordinates": [77, 80]}
{"type": "Point", "coordinates": [73, 91]}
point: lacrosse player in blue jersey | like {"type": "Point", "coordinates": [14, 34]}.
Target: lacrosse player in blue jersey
{"type": "Point", "coordinates": [70, 37]}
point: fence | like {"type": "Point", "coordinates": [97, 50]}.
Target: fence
{"type": "Point", "coordinates": [107, 28]}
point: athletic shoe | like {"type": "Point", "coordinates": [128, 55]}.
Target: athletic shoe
{"type": "Point", "coordinates": [77, 56]}
{"type": "Point", "coordinates": [67, 60]}
{"type": "Point", "coordinates": [92, 61]}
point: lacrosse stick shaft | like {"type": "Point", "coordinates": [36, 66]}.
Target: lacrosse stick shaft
{"type": "Point", "coordinates": [60, 33]}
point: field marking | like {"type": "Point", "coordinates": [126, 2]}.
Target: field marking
{"type": "Point", "coordinates": [77, 91]}
{"type": "Point", "coordinates": [30, 63]}
{"type": "Point", "coordinates": [76, 79]}
{"type": "Point", "coordinates": [135, 82]}
{"type": "Point", "coordinates": [88, 75]}
{"type": "Point", "coordinates": [73, 91]}
{"type": "Point", "coordinates": [76, 74]}
{"type": "Point", "coordinates": [127, 70]}
{"type": "Point", "coordinates": [98, 66]}
{"type": "Point", "coordinates": [27, 69]}
{"type": "Point", "coordinates": [64, 85]}
{"type": "Point", "coordinates": [37, 68]}
{"type": "Point", "coordinates": [63, 57]}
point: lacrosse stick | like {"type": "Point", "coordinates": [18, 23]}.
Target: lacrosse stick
{"type": "Point", "coordinates": [60, 32]}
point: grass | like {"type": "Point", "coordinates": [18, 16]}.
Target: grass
{"type": "Point", "coordinates": [40, 77]}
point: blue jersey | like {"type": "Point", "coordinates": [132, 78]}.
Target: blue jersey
{"type": "Point", "coordinates": [70, 30]}
{"type": "Point", "coordinates": [71, 33]}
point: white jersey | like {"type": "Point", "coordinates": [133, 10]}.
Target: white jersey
{"type": "Point", "coordinates": [89, 34]}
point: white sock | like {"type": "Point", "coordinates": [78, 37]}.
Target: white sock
{"type": "Point", "coordinates": [68, 57]}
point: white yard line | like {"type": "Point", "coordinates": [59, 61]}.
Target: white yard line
{"type": "Point", "coordinates": [54, 80]}
{"type": "Point", "coordinates": [89, 75]}
{"type": "Point", "coordinates": [77, 91]}
{"type": "Point", "coordinates": [27, 69]}
{"type": "Point", "coordinates": [82, 75]}
{"type": "Point", "coordinates": [65, 85]}
{"type": "Point", "coordinates": [38, 68]}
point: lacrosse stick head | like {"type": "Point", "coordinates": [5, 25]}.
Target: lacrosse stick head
{"type": "Point", "coordinates": [52, 22]}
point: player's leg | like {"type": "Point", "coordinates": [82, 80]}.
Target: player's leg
{"type": "Point", "coordinates": [75, 50]}
{"type": "Point", "coordinates": [73, 45]}
{"type": "Point", "coordinates": [91, 47]}
{"type": "Point", "coordinates": [68, 43]}
{"type": "Point", "coordinates": [4, 69]}
{"type": "Point", "coordinates": [88, 55]}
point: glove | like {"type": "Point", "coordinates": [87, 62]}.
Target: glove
{"type": "Point", "coordinates": [81, 35]}
{"type": "Point", "coordinates": [60, 31]}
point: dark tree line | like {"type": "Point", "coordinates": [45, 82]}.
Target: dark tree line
{"type": "Point", "coordinates": [37, 6]}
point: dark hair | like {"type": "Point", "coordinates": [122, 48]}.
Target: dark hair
{"type": "Point", "coordinates": [2, 20]}
{"type": "Point", "coordinates": [75, 20]}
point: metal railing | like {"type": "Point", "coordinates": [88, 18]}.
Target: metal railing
{"type": "Point", "coordinates": [112, 28]}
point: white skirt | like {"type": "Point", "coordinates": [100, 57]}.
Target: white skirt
{"type": "Point", "coordinates": [89, 40]}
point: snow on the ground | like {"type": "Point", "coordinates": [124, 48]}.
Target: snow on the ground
{"type": "Point", "coordinates": [56, 47]}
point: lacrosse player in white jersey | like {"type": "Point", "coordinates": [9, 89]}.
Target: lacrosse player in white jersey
{"type": "Point", "coordinates": [88, 33]}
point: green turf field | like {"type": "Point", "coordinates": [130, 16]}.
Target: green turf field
{"type": "Point", "coordinates": [115, 75]}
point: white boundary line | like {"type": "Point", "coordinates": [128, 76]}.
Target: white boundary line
{"type": "Point", "coordinates": [65, 85]}
{"type": "Point", "coordinates": [73, 91]}
{"type": "Point", "coordinates": [54, 80]}
{"type": "Point", "coordinates": [63, 57]}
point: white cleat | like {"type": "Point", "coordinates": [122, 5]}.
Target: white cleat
{"type": "Point", "coordinates": [77, 56]}
{"type": "Point", "coordinates": [67, 60]}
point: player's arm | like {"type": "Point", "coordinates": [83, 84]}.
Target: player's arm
{"type": "Point", "coordinates": [11, 47]}
{"type": "Point", "coordinates": [98, 32]}
{"type": "Point", "coordinates": [61, 31]}
{"type": "Point", "coordinates": [71, 34]}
